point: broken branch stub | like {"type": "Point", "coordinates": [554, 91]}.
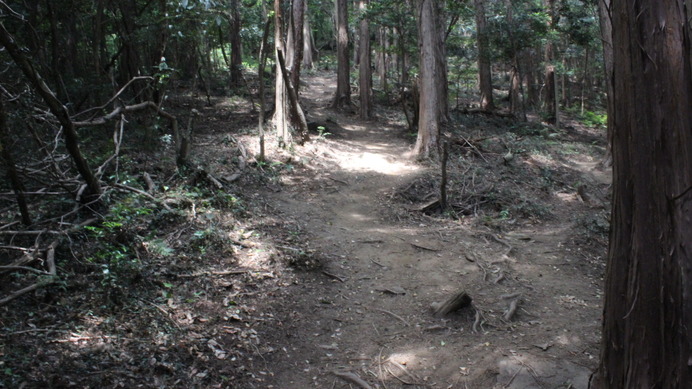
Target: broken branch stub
{"type": "Point", "coordinates": [457, 301]}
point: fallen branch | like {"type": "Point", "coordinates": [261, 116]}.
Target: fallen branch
{"type": "Point", "coordinates": [145, 194]}
{"type": "Point", "coordinates": [213, 273]}
{"type": "Point", "coordinates": [465, 141]}
{"type": "Point", "coordinates": [25, 268]}
{"type": "Point", "coordinates": [50, 279]}
{"type": "Point", "coordinates": [352, 378]}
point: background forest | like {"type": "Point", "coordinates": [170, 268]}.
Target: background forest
{"type": "Point", "coordinates": [161, 158]}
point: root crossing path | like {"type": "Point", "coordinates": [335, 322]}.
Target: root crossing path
{"type": "Point", "coordinates": [364, 318]}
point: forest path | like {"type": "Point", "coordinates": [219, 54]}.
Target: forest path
{"type": "Point", "coordinates": [368, 312]}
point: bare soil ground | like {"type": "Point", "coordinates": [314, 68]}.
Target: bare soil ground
{"type": "Point", "coordinates": [321, 267]}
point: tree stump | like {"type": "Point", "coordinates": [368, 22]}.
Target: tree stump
{"type": "Point", "coordinates": [456, 302]}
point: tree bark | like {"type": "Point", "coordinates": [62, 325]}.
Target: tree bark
{"type": "Point", "coordinates": [647, 327]}
{"type": "Point", "coordinates": [236, 46]}
{"type": "Point", "coordinates": [295, 109]}
{"type": "Point", "coordinates": [12, 175]}
{"type": "Point", "coordinates": [382, 58]}
{"type": "Point", "coordinates": [427, 142]}
{"type": "Point", "coordinates": [550, 94]}
{"type": "Point", "coordinates": [308, 40]}
{"type": "Point", "coordinates": [342, 98]}
{"type": "Point", "coordinates": [484, 75]}
{"type": "Point", "coordinates": [298, 41]}
{"type": "Point", "coordinates": [281, 94]}
{"type": "Point", "coordinates": [605, 19]}
{"type": "Point", "coordinates": [262, 64]}
{"type": "Point", "coordinates": [364, 70]}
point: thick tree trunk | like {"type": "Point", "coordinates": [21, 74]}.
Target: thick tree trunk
{"type": "Point", "coordinates": [427, 143]}
{"type": "Point", "coordinates": [364, 71]}
{"type": "Point", "coordinates": [236, 46]}
{"type": "Point", "coordinates": [647, 328]}
{"type": "Point", "coordinates": [298, 42]}
{"type": "Point", "coordinates": [12, 175]}
{"type": "Point", "coordinates": [97, 32]}
{"type": "Point", "coordinates": [533, 98]}
{"type": "Point", "coordinates": [550, 92]}
{"type": "Point", "coordinates": [606, 22]}
{"type": "Point", "coordinates": [342, 98]}
{"type": "Point", "coordinates": [484, 75]}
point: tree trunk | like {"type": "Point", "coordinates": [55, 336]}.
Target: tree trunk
{"type": "Point", "coordinates": [12, 175]}
{"type": "Point", "coordinates": [382, 58]}
{"type": "Point", "coordinates": [364, 71]}
{"type": "Point", "coordinates": [298, 42]}
{"type": "Point", "coordinates": [531, 77]}
{"type": "Point", "coordinates": [484, 75]}
{"type": "Point", "coordinates": [342, 99]}
{"type": "Point", "coordinates": [97, 33]}
{"type": "Point", "coordinates": [236, 46]}
{"type": "Point", "coordinates": [262, 64]}
{"type": "Point", "coordinates": [514, 90]}
{"type": "Point", "coordinates": [281, 94]}
{"type": "Point", "coordinates": [427, 143]}
{"type": "Point", "coordinates": [606, 22]}
{"type": "Point", "coordinates": [308, 40]}
{"type": "Point", "coordinates": [442, 86]}
{"type": "Point", "coordinates": [647, 328]}
{"type": "Point", "coordinates": [550, 93]}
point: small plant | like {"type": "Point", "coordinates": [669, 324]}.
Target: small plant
{"type": "Point", "coordinates": [595, 120]}
{"type": "Point", "coordinates": [322, 132]}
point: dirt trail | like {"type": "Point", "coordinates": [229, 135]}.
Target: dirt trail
{"type": "Point", "coordinates": [368, 312]}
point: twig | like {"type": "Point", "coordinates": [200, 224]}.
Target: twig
{"type": "Point", "coordinates": [423, 247]}
{"type": "Point", "coordinates": [9, 225]}
{"type": "Point", "coordinates": [334, 276]}
{"type": "Point", "coordinates": [394, 315]}
{"type": "Point", "coordinates": [377, 263]}
{"type": "Point", "coordinates": [31, 269]}
{"type": "Point", "coordinates": [114, 96]}
{"type": "Point", "coordinates": [502, 242]}
{"type": "Point", "coordinates": [166, 314]}
{"type": "Point", "coordinates": [339, 181]}
{"type": "Point", "coordinates": [352, 378]}
{"type": "Point", "coordinates": [145, 194]}
{"type": "Point", "coordinates": [511, 309]}
{"type": "Point", "coordinates": [402, 368]}
{"type": "Point", "coordinates": [379, 364]}
{"type": "Point", "coordinates": [473, 147]}
{"type": "Point", "coordinates": [214, 273]}
{"type": "Point", "coordinates": [32, 330]}
{"type": "Point", "coordinates": [398, 378]}
{"type": "Point", "coordinates": [510, 295]}
{"type": "Point", "coordinates": [23, 249]}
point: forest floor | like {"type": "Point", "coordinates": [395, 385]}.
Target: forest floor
{"type": "Point", "coordinates": [321, 267]}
